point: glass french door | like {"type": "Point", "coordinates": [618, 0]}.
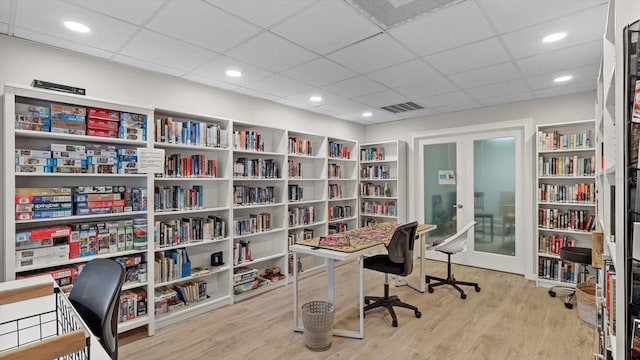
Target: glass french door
{"type": "Point", "coordinates": [476, 177]}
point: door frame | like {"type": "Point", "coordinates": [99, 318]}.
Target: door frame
{"type": "Point", "coordinates": [525, 198]}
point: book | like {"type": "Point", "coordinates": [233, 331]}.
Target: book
{"type": "Point", "coordinates": [636, 103]}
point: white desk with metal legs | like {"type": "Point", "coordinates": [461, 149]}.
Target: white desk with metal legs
{"type": "Point", "coordinates": [331, 257]}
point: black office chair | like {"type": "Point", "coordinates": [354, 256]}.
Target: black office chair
{"type": "Point", "coordinates": [576, 255]}
{"type": "Point", "coordinates": [95, 296]}
{"type": "Point", "coordinates": [454, 244]}
{"type": "Point", "coordinates": [398, 261]}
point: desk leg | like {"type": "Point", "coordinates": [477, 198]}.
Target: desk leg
{"type": "Point", "coordinates": [331, 280]}
{"type": "Point", "coordinates": [296, 326]}
{"type": "Point", "coordinates": [361, 266]}
{"type": "Point", "coordinates": [420, 286]}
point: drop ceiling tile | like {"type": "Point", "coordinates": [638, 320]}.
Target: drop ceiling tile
{"type": "Point", "coordinates": [148, 66]}
{"type": "Point", "coordinates": [326, 96]}
{"type": "Point", "coordinates": [202, 24]}
{"type": "Point", "coordinates": [4, 28]}
{"type": "Point", "coordinates": [507, 99]}
{"type": "Point", "coordinates": [487, 75]}
{"type": "Point", "coordinates": [402, 74]}
{"type": "Point", "coordinates": [61, 43]}
{"type": "Point", "coordinates": [580, 75]}
{"type": "Point", "coordinates": [136, 12]}
{"type": "Point", "coordinates": [383, 98]}
{"type": "Point", "coordinates": [560, 60]}
{"type": "Point", "coordinates": [499, 89]}
{"type": "Point", "coordinates": [210, 82]}
{"type": "Point", "coordinates": [479, 54]}
{"type": "Point", "coordinates": [458, 107]}
{"type": "Point", "coordinates": [279, 86]}
{"type": "Point", "coordinates": [216, 69]}
{"type": "Point", "coordinates": [417, 113]}
{"type": "Point", "coordinates": [271, 52]}
{"type": "Point", "coordinates": [325, 111]}
{"type": "Point", "coordinates": [162, 50]}
{"type": "Point", "coordinates": [353, 118]}
{"type": "Point", "coordinates": [511, 15]}
{"type": "Point", "coordinates": [257, 94]}
{"type": "Point", "coordinates": [583, 27]}
{"type": "Point", "coordinates": [319, 72]}
{"type": "Point", "coordinates": [445, 29]}
{"type": "Point", "coordinates": [434, 86]}
{"type": "Point", "coordinates": [566, 89]}
{"type": "Point", "coordinates": [344, 106]}
{"type": "Point", "coordinates": [326, 26]}
{"type": "Point", "coordinates": [5, 10]}
{"type": "Point", "coordinates": [378, 116]}
{"type": "Point", "coordinates": [47, 17]}
{"type": "Point", "coordinates": [262, 13]}
{"type": "Point", "coordinates": [354, 87]}
{"type": "Point", "coordinates": [454, 97]}
{"type": "Point", "coordinates": [372, 54]}
{"type": "Point", "coordinates": [289, 102]}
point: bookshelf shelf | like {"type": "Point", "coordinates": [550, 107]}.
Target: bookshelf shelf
{"type": "Point", "coordinates": [133, 324]}
{"type": "Point", "coordinates": [78, 138]}
{"type": "Point", "coordinates": [574, 150]}
{"type": "Point", "coordinates": [213, 271]}
{"type": "Point", "coordinates": [259, 260]}
{"type": "Point", "coordinates": [162, 145]}
{"type": "Point", "coordinates": [318, 223]}
{"type": "Point", "coordinates": [573, 204]}
{"type": "Point", "coordinates": [78, 260]}
{"type": "Point", "coordinates": [187, 179]}
{"type": "Point", "coordinates": [193, 243]}
{"type": "Point", "coordinates": [132, 285]}
{"type": "Point", "coordinates": [351, 218]}
{"type": "Point", "coordinates": [191, 310]}
{"type": "Point", "coordinates": [188, 211]}
{"type": "Point", "coordinates": [259, 291]}
{"type": "Point", "coordinates": [257, 206]}
{"type": "Point", "coordinates": [142, 176]}
{"type": "Point", "coordinates": [79, 218]}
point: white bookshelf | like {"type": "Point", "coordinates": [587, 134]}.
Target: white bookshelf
{"type": "Point", "coordinates": [566, 197]}
{"type": "Point", "coordinates": [306, 194]}
{"type": "Point", "coordinates": [266, 147]}
{"type": "Point", "coordinates": [13, 139]}
{"type": "Point", "coordinates": [383, 182]}
{"type": "Point", "coordinates": [343, 209]}
{"type": "Point", "coordinates": [204, 141]}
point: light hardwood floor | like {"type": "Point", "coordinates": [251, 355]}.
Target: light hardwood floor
{"type": "Point", "coordinates": [509, 319]}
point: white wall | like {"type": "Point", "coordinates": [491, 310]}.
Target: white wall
{"type": "Point", "coordinates": [22, 61]}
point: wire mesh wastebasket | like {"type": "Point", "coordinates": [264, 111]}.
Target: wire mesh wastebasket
{"type": "Point", "coordinates": [317, 319]}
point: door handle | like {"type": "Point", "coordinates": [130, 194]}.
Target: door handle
{"type": "Point", "coordinates": [459, 206]}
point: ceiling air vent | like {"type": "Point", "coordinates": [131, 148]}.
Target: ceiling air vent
{"type": "Point", "coordinates": [403, 107]}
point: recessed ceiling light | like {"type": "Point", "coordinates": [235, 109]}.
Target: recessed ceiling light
{"type": "Point", "coordinates": [367, 114]}
{"type": "Point", "coordinates": [77, 27]}
{"type": "Point", "coordinates": [563, 78]}
{"type": "Point", "coordinates": [554, 37]}
{"type": "Point", "coordinates": [315, 98]}
{"type": "Point", "coordinates": [233, 73]}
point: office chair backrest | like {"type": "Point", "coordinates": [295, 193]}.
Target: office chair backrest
{"type": "Point", "coordinates": [478, 200]}
{"type": "Point", "coordinates": [400, 247]}
{"type": "Point", "coordinates": [457, 242]}
{"type": "Point", "coordinates": [95, 296]}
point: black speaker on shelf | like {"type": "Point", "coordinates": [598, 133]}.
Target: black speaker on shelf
{"type": "Point", "coordinates": [216, 259]}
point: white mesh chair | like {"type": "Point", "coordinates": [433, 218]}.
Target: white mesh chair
{"type": "Point", "coordinates": [452, 245]}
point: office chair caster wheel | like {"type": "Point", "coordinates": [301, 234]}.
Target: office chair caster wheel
{"type": "Point", "coordinates": [427, 280]}
{"type": "Point", "coordinates": [367, 302]}
{"type": "Point", "coordinates": [463, 296]}
{"type": "Point", "coordinates": [418, 314]}
{"type": "Point", "coordinates": [477, 288]}
{"type": "Point", "coordinates": [430, 290]}
{"type": "Point", "coordinates": [568, 305]}
{"type": "Point", "coordinates": [394, 323]}
{"type": "Point", "coordinates": [552, 293]}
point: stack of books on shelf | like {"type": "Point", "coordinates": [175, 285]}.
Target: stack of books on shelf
{"type": "Point", "coordinates": [241, 252]}
{"type": "Point", "coordinates": [567, 166]}
{"type": "Point", "coordinates": [301, 216]}
{"type": "Point", "coordinates": [387, 208]}
{"type": "Point", "coordinates": [248, 140]}
{"type": "Point", "coordinates": [190, 132]}
{"type": "Point", "coordinates": [339, 212]}
{"type": "Point", "coordinates": [171, 265]}
{"type": "Point", "coordinates": [294, 170]}
{"type": "Point", "coordinates": [340, 151]}
{"type": "Point", "coordinates": [187, 230]}
{"type": "Point", "coordinates": [374, 172]}
{"type": "Point", "coordinates": [578, 220]}
{"type": "Point", "coordinates": [300, 146]}
{"type": "Point", "coordinates": [335, 171]}
{"type": "Point", "coordinates": [132, 304]}
{"type": "Point", "coordinates": [575, 193]}
{"type": "Point", "coordinates": [189, 166]}
{"type": "Point", "coordinates": [295, 193]}
{"type": "Point", "coordinates": [335, 228]}
{"type": "Point", "coordinates": [370, 189]}
{"type": "Point", "coordinates": [553, 243]}
{"type": "Point", "coordinates": [253, 223]}
{"type": "Point", "coordinates": [252, 195]}
{"type": "Point", "coordinates": [557, 141]}
{"type": "Point", "coordinates": [372, 154]}
{"type": "Point", "coordinates": [172, 198]}
{"type": "Point", "coordinates": [256, 168]}
{"type": "Point", "coordinates": [335, 191]}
